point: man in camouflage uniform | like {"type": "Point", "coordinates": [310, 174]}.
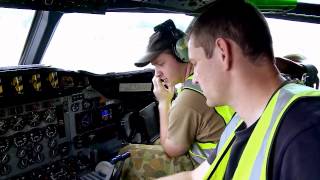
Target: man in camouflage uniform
{"type": "Point", "coordinates": [183, 122]}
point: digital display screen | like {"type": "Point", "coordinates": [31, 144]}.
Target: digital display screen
{"type": "Point", "coordinates": [90, 120]}
{"type": "Point", "coordinates": [106, 114]}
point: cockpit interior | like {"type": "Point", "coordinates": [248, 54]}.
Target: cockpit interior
{"type": "Point", "coordinates": [57, 123]}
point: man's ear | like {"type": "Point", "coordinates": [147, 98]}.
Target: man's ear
{"type": "Point", "coordinates": [224, 51]}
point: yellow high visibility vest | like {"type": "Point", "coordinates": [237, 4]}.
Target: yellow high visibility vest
{"type": "Point", "coordinates": [200, 151]}
{"type": "Point", "coordinates": [254, 159]}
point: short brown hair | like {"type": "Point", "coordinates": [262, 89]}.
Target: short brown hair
{"type": "Point", "coordinates": [235, 20]}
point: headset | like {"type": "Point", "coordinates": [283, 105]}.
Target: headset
{"type": "Point", "coordinates": [179, 43]}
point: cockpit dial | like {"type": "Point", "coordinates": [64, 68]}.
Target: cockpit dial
{"type": "Point", "coordinates": [50, 115]}
{"type": "Point", "coordinates": [20, 139]}
{"type": "Point", "coordinates": [34, 119]}
{"type": "Point", "coordinates": [4, 144]}
{"type": "Point", "coordinates": [51, 131]}
{"type": "Point", "coordinates": [18, 123]}
{"type": "Point", "coordinates": [4, 126]}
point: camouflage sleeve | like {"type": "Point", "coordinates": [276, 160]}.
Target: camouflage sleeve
{"type": "Point", "coordinates": [150, 161]}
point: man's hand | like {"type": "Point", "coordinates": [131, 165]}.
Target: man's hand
{"type": "Point", "coordinates": [163, 94]}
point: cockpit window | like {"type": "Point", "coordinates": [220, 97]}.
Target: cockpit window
{"type": "Point", "coordinates": [104, 43]}
{"type": "Point", "coordinates": [310, 1]}
{"type": "Point", "coordinates": [292, 37]}
{"type": "Point", "coordinates": [114, 41]}
{"type": "Point", "coordinates": [14, 28]}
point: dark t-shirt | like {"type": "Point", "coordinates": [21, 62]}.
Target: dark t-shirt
{"type": "Point", "coordinates": [295, 153]}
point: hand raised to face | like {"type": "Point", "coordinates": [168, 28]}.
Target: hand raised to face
{"type": "Point", "coordinates": [163, 93]}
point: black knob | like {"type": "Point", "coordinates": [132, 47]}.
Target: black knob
{"type": "Point", "coordinates": [5, 170]}
{"type": "Point", "coordinates": [38, 148]}
{"type": "Point", "coordinates": [23, 163]}
{"type": "Point", "coordinates": [64, 150]}
{"type": "Point", "coordinates": [52, 143]}
{"type": "Point", "coordinates": [39, 158]}
{"type": "Point", "coordinates": [53, 153]}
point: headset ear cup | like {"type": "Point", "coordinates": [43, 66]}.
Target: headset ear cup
{"type": "Point", "coordinates": [181, 49]}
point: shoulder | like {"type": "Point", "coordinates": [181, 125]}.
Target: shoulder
{"type": "Point", "coordinates": [297, 141]}
{"type": "Point", "coordinates": [191, 99]}
{"type": "Point", "coordinates": [300, 116]}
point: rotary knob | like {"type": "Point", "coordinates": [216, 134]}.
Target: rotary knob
{"type": "Point", "coordinates": [23, 163]}
{"type": "Point", "coordinates": [53, 153]}
{"type": "Point", "coordinates": [52, 143]}
{"type": "Point", "coordinates": [39, 158]}
{"type": "Point", "coordinates": [5, 170]}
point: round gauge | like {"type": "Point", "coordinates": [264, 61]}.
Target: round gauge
{"type": "Point", "coordinates": [38, 148]}
{"type": "Point", "coordinates": [20, 139]}
{"type": "Point", "coordinates": [4, 159]}
{"type": "Point", "coordinates": [86, 104]}
{"type": "Point", "coordinates": [18, 123]}
{"type": "Point", "coordinates": [34, 119]}
{"type": "Point", "coordinates": [4, 145]}
{"type": "Point", "coordinates": [4, 126]}
{"type": "Point", "coordinates": [51, 131]}
{"type": "Point", "coordinates": [21, 153]}
{"type": "Point", "coordinates": [36, 135]}
{"type": "Point", "coordinates": [75, 107]}
{"type": "Point", "coordinates": [50, 115]}
{"type": "Point", "coordinates": [52, 143]}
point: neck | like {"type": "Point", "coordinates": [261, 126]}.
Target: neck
{"type": "Point", "coordinates": [253, 95]}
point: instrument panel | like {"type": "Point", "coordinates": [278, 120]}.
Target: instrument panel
{"type": "Point", "coordinates": [57, 124]}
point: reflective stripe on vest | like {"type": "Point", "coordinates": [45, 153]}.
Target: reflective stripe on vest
{"type": "Point", "coordinates": [201, 151]}
{"type": "Point", "coordinates": [198, 151]}
{"type": "Point", "coordinates": [253, 162]}
{"type": "Point", "coordinates": [219, 165]}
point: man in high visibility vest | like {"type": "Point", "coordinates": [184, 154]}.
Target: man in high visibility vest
{"type": "Point", "coordinates": [275, 133]}
{"type": "Point", "coordinates": [187, 124]}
